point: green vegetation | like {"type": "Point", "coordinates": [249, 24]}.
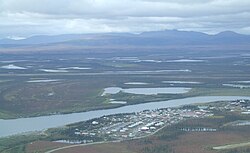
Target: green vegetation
{"type": "Point", "coordinates": [219, 92]}
{"type": "Point", "coordinates": [135, 98]}
{"type": "Point", "coordinates": [6, 115]}
{"type": "Point", "coordinates": [17, 143]}
{"type": "Point", "coordinates": [19, 149]}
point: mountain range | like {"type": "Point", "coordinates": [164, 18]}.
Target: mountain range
{"type": "Point", "coordinates": [154, 38]}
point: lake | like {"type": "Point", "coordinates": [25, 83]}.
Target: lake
{"type": "Point", "coordinates": [16, 126]}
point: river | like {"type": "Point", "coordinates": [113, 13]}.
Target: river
{"type": "Point", "coordinates": [21, 125]}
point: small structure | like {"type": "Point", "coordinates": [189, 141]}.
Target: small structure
{"type": "Point", "coordinates": [95, 123]}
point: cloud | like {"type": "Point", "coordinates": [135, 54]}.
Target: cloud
{"type": "Point", "coordinates": [31, 17]}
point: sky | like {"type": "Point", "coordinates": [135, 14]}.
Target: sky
{"type": "Point", "coordinates": [25, 18]}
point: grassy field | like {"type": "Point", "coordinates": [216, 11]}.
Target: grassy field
{"type": "Point", "coordinates": [220, 92]}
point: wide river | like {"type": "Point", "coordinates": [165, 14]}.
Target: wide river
{"type": "Point", "coordinates": [16, 126]}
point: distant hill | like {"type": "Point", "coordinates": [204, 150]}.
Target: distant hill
{"type": "Point", "coordinates": [42, 39]}
{"type": "Point", "coordinates": [154, 38]}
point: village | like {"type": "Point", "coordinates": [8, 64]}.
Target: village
{"type": "Point", "coordinates": [139, 124]}
{"type": "Point", "coordinates": [142, 124]}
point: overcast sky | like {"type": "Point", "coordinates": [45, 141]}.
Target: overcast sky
{"type": "Point", "coordinates": [23, 18]}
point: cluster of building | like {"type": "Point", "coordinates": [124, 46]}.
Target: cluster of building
{"type": "Point", "coordinates": [242, 106]}
{"type": "Point", "coordinates": [137, 125]}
